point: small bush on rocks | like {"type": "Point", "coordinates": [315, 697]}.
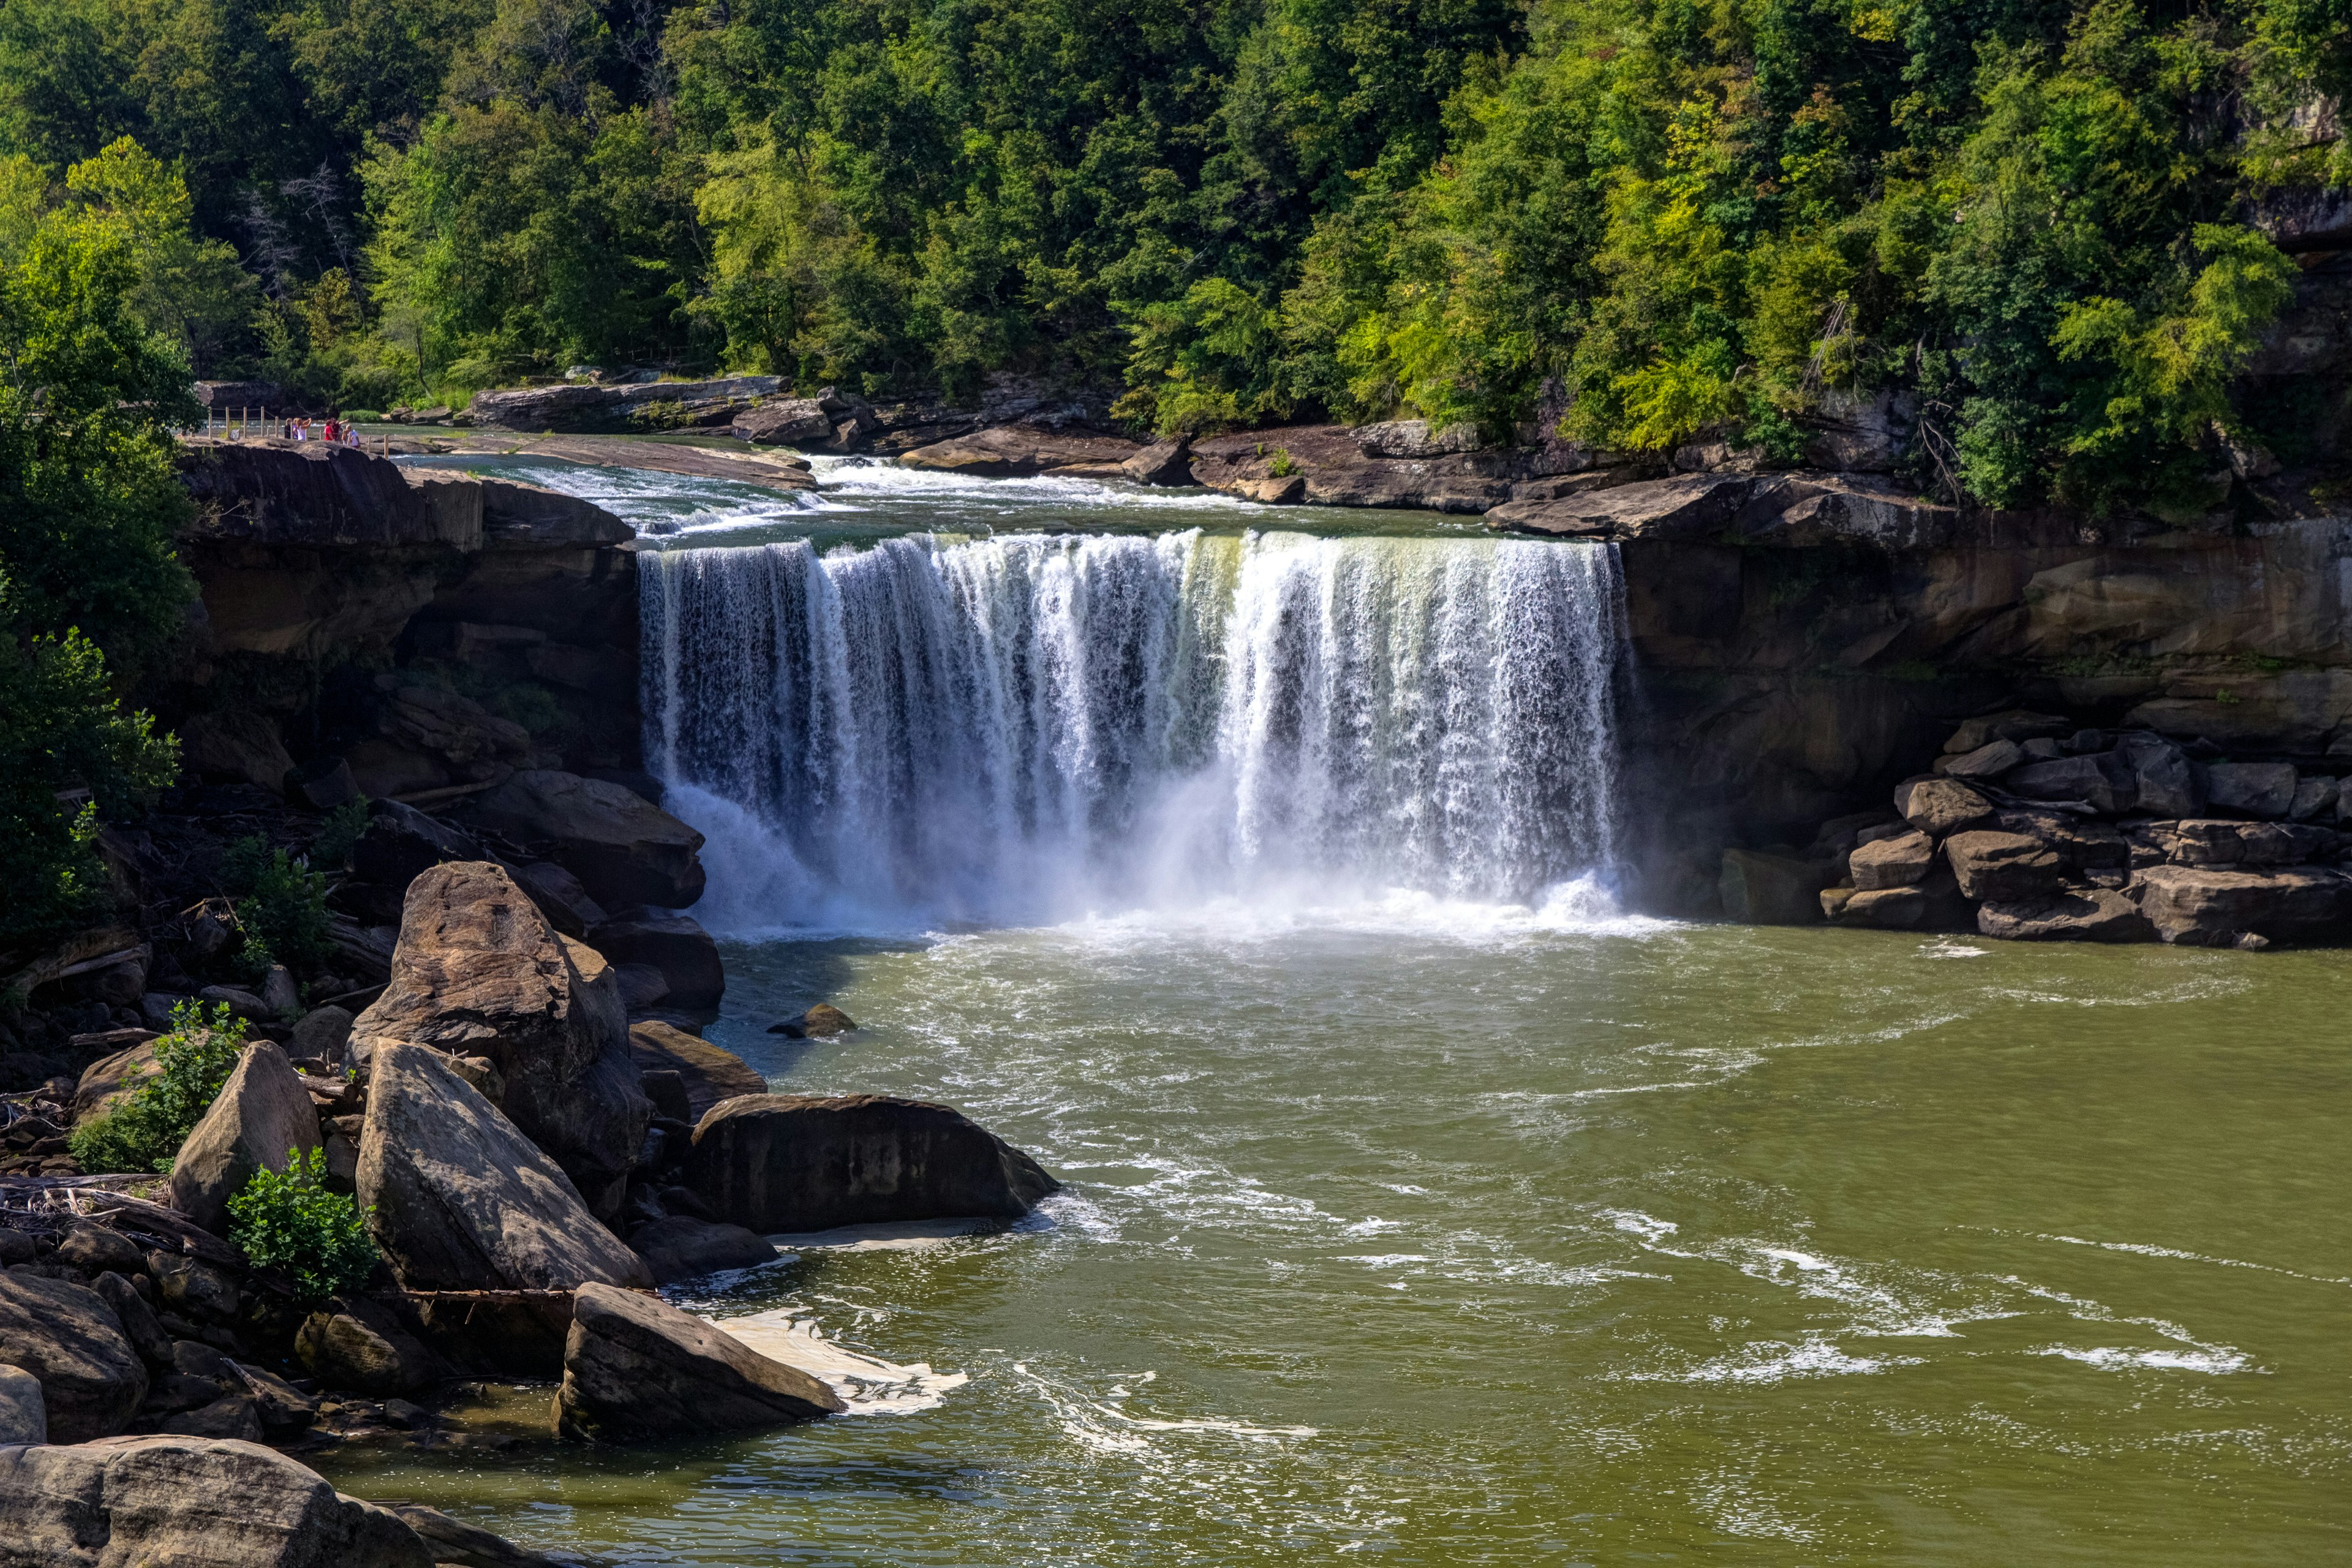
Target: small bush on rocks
{"type": "Point", "coordinates": [281, 903]}
{"type": "Point", "coordinates": [291, 1220]}
{"type": "Point", "coordinates": [145, 1131]}
{"type": "Point", "coordinates": [339, 834]}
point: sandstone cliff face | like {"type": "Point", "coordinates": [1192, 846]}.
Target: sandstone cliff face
{"type": "Point", "coordinates": [1802, 641]}
{"type": "Point", "coordinates": [327, 573]}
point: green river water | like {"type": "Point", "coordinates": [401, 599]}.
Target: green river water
{"type": "Point", "coordinates": [1444, 1234]}
{"type": "Point", "coordinates": [1436, 1239]}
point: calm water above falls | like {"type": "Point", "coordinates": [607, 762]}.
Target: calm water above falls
{"type": "Point", "coordinates": [1472, 1233]}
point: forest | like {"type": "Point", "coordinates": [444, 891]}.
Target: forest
{"type": "Point", "coordinates": [2029, 216]}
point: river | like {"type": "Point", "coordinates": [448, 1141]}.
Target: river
{"type": "Point", "coordinates": [1451, 1218]}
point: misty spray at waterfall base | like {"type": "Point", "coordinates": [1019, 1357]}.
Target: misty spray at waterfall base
{"type": "Point", "coordinates": [1034, 727]}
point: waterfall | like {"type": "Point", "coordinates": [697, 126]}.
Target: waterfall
{"type": "Point", "coordinates": [1034, 726]}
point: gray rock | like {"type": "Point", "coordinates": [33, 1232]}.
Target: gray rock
{"type": "Point", "coordinates": [560, 897]}
{"type": "Point", "coordinates": [2252, 789]}
{"type": "Point", "coordinates": [2102, 779]}
{"type": "Point", "coordinates": [710, 1073]}
{"type": "Point", "coordinates": [321, 1034]}
{"type": "Point", "coordinates": [785, 422]}
{"type": "Point", "coordinates": [281, 1407]}
{"type": "Point", "coordinates": [186, 1502]}
{"type": "Point", "coordinates": [2209, 907]}
{"type": "Point", "coordinates": [232, 1415]}
{"type": "Point", "coordinates": [2069, 914]}
{"type": "Point", "coordinates": [280, 995]}
{"type": "Point", "coordinates": [2164, 782]}
{"type": "Point", "coordinates": [1896, 862]}
{"type": "Point", "coordinates": [479, 971]}
{"type": "Point", "coordinates": [262, 1118]}
{"type": "Point", "coordinates": [1762, 889]}
{"type": "Point", "coordinates": [2006, 868]}
{"type": "Point", "coordinates": [239, 1001]}
{"type": "Point", "coordinates": [357, 1344]}
{"type": "Point", "coordinates": [624, 850]}
{"type": "Point", "coordinates": [188, 1285]}
{"type": "Point", "coordinates": [137, 1319]}
{"type": "Point", "coordinates": [634, 1367]}
{"type": "Point", "coordinates": [66, 1335]}
{"type": "Point", "coordinates": [1879, 909]}
{"type": "Point", "coordinates": [24, 1418]}
{"type": "Point", "coordinates": [2219, 841]}
{"type": "Point", "coordinates": [683, 1248]}
{"type": "Point", "coordinates": [401, 841]}
{"type": "Point", "coordinates": [96, 1248]}
{"type": "Point", "coordinates": [2313, 797]}
{"type": "Point", "coordinates": [801, 1162]}
{"type": "Point", "coordinates": [453, 1541]}
{"type": "Point", "coordinates": [2010, 724]}
{"type": "Point", "coordinates": [1940, 806]}
{"type": "Point", "coordinates": [461, 1200]}
{"type": "Point", "coordinates": [1989, 761]}
{"type": "Point", "coordinates": [674, 944]}
{"type": "Point", "coordinates": [2083, 842]}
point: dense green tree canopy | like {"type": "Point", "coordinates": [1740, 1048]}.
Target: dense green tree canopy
{"type": "Point", "coordinates": [2030, 218]}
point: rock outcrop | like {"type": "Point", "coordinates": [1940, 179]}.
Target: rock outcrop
{"type": "Point", "coordinates": [200, 1502]}
{"type": "Point", "coordinates": [92, 1381]}
{"type": "Point", "coordinates": [782, 1163]}
{"type": "Point", "coordinates": [624, 850]}
{"type": "Point", "coordinates": [1012, 451]}
{"type": "Point", "coordinates": [629, 406]}
{"type": "Point", "coordinates": [479, 971]}
{"type": "Point", "coordinates": [461, 1199]}
{"type": "Point", "coordinates": [262, 1116]}
{"type": "Point", "coordinates": [634, 1367]}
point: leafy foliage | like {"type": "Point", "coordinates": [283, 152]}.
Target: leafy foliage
{"type": "Point", "coordinates": [281, 904]}
{"type": "Point", "coordinates": [331, 848]}
{"type": "Point", "coordinates": [144, 1132]}
{"type": "Point", "coordinates": [1645, 222]}
{"type": "Point", "coordinates": [290, 1219]}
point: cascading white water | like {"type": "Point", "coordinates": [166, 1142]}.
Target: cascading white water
{"type": "Point", "coordinates": [1031, 727]}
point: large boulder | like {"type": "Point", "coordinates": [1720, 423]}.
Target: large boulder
{"type": "Point", "coordinates": [242, 748]}
{"type": "Point", "coordinates": [1897, 861]}
{"type": "Point", "coordinates": [2102, 779]}
{"type": "Point", "coordinates": [187, 1502]}
{"type": "Point", "coordinates": [479, 971]}
{"type": "Point", "coordinates": [1940, 806]}
{"type": "Point", "coordinates": [1760, 887]}
{"type": "Point", "coordinates": [2210, 907]}
{"type": "Point", "coordinates": [672, 944]}
{"type": "Point", "coordinates": [2252, 789]}
{"type": "Point", "coordinates": [1011, 451]}
{"type": "Point", "coordinates": [711, 1073]}
{"type": "Point", "coordinates": [92, 1381]}
{"type": "Point", "coordinates": [2006, 868]}
{"type": "Point", "coordinates": [24, 1416]}
{"type": "Point", "coordinates": [783, 1162]}
{"type": "Point", "coordinates": [624, 848]}
{"type": "Point", "coordinates": [459, 1199]}
{"type": "Point", "coordinates": [637, 1367]}
{"type": "Point", "coordinates": [2164, 783]}
{"type": "Point", "coordinates": [785, 422]}
{"type": "Point", "coordinates": [261, 1116]}
{"type": "Point", "coordinates": [1168, 462]}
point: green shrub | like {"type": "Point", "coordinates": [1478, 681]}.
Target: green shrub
{"type": "Point", "coordinates": [145, 1131]}
{"type": "Point", "coordinates": [340, 835]}
{"type": "Point", "coordinates": [291, 1220]}
{"type": "Point", "coordinates": [281, 903]}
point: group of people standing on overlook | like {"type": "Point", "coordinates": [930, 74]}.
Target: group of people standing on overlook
{"type": "Point", "coordinates": [341, 431]}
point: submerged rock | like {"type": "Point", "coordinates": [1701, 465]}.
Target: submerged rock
{"type": "Point", "coordinates": [814, 1024]}
{"type": "Point", "coordinates": [800, 1162]}
{"type": "Point", "coordinates": [637, 1367]}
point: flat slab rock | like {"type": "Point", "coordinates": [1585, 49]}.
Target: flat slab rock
{"type": "Point", "coordinates": [635, 1367]}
